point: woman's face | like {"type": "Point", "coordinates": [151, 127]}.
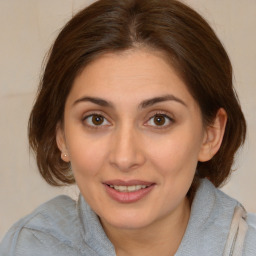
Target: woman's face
{"type": "Point", "coordinates": [134, 135]}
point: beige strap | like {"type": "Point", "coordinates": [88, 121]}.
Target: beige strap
{"type": "Point", "coordinates": [238, 229]}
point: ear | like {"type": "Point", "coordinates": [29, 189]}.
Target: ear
{"type": "Point", "coordinates": [61, 143]}
{"type": "Point", "coordinates": [213, 136]}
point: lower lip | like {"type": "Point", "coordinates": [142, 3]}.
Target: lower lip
{"type": "Point", "coordinates": [128, 197]}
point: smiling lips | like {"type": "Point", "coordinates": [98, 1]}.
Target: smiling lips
{"type": "Point", "coordinates": [128, 191]}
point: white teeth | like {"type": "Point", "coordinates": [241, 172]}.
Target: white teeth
{"type": "Point", "coordinates": [120, 188]}
{"type": "Point", "coordinates": [128, 188]}
{"type": "Point", "coordinates": [131, 188]}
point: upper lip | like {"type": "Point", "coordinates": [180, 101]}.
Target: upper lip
{"type": "Point", "coordinates": [128, 182]}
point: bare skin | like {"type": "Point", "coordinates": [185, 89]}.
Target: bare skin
{"type": "Point", "coordinates": [129, 121]}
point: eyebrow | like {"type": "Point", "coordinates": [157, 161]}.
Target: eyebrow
{"type": "Point", "coordinates": [143, 104]}
{"type": "Point", "coordinates": [97, 101]}
{"type": "Point", "coordinates": [168, 97]}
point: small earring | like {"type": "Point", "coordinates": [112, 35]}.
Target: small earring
{"type": "Point", "coordinates": [64, 154]}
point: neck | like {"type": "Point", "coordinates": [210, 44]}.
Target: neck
{"type": "Point", "coordinates": [162, 237]}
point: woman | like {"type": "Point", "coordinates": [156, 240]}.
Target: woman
{"type": "Point", "coordinates": [136, 105]}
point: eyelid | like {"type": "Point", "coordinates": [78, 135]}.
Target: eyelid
{"type": "Point", "coordinates": [95, 113]}
{"type": "Point", "coordinates": [160, 113]}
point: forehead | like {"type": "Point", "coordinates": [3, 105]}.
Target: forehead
{"type": "Point", "coordinates": [131, 73]}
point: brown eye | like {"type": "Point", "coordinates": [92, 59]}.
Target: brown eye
{"type": "Point", "coordinates": [159, 120]}
{"type": "Point", "coordinates": [97, 120]}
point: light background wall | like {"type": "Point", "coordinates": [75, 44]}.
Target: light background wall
{"type": "Point", "coordinates": [27, 29]}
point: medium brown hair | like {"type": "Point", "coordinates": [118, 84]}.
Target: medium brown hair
{"type": "Point", "coordinates": [117, 25]}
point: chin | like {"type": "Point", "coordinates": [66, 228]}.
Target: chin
{"type": "Point", "coordinates": [129, 224]}
{"type": "Point", "coordinates": [128, 220]}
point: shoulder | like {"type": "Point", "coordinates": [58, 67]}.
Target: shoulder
{"type": "Point", "coordinates": [50, 227]}
{"type": "Point", "coordinates": [250, 239]}
{"type": "Point", "coordinates": [219, 207]}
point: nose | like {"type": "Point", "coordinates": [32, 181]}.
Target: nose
{"type": "Point", "coordinates": [126, 149]}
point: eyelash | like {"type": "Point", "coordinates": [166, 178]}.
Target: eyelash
{"type": "Point", "coordinates": [159, 113]}
{"type": "Point", "coordinates": [93, 126]}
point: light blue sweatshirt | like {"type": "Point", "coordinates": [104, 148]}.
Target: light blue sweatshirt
{"type": "Point", "coordinates": [63, 227]}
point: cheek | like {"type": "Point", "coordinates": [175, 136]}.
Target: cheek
{"type": "Point", "coordinates": [87, 155]}
{"type": "Point", "coordinates": [176, 154]}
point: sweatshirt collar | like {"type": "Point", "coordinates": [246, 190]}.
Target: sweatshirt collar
{"type": "Point", "coordinates": [92, 230]}
{"type": "Point", "coordinates": [206, 233]}
{"type": "Point", "coordinates": [209, 223]}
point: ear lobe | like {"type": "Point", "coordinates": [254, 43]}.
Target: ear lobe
{"type": "Point", "coordinates": [61, 143]}
{"type": "Point", "coordinates": [213, 136]}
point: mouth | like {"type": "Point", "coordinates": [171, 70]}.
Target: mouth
{"type": "Point", "coordinates": [128, 191]}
